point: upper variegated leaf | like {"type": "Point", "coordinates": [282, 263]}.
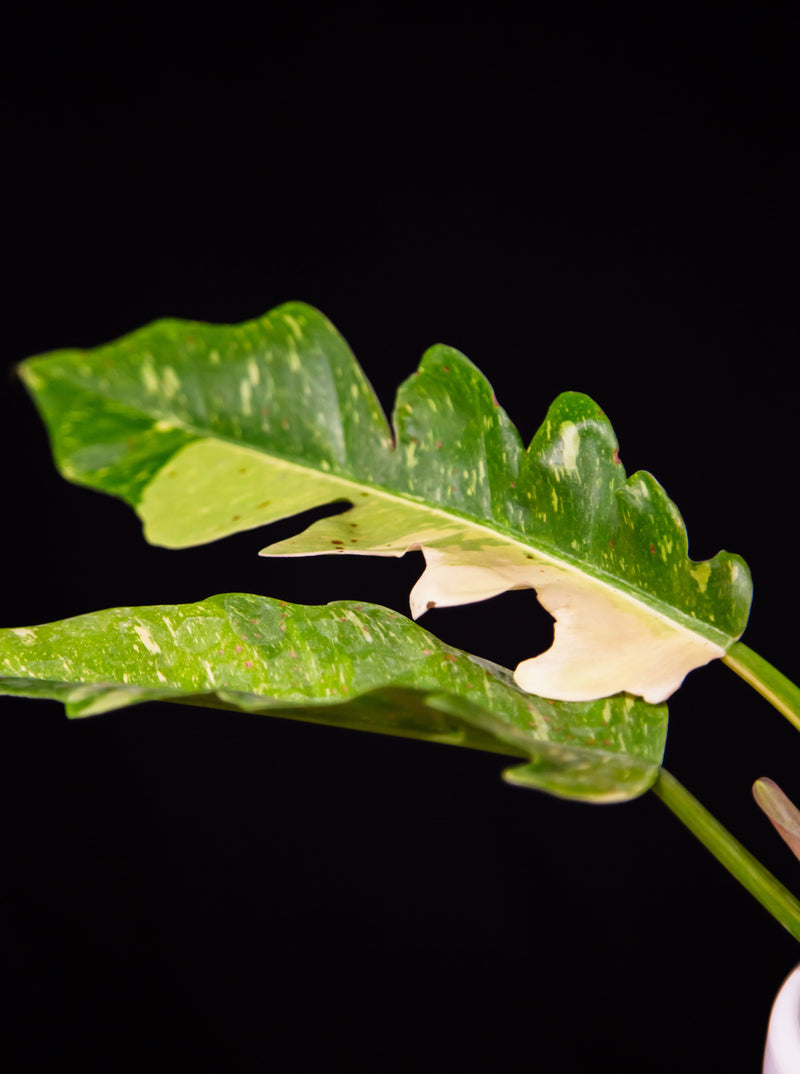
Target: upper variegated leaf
{"type": "Point", "coordinates": [207, 430]}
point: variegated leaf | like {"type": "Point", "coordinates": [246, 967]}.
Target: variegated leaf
{"type": "Point", "coordinates": [207, 430]}
{"type": "Point", "coordinates": [350, 665]}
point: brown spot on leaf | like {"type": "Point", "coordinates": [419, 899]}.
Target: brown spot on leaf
{"type": "Point", "coordinates": [284, 423]}
{"type": "Point", "coordinates": [431, 604]}
{"type": "Point", "coordinates": [616, 457]}
{"type": "Point", "coordinates": [652, 549]}
{"type": "Point", "coordinates": [266, 503]}
{"type": "Point", "coordinates": [446, 368]}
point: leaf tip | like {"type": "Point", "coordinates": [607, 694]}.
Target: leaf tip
{"type": "Point", "coordinates": [781, 811]}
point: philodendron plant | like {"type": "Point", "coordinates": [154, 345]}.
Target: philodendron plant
{"type": "Point", "coordinates": [206, 430]}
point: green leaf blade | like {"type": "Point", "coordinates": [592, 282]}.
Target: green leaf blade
{"type": "Point", "coordinates": [567, 773]}
{"type": "Point", "coordinates": [214, 382]}
{"type": "Point", "coordinates": [346, 664]}
{"type": "Point", "coordinates": [457, 447]}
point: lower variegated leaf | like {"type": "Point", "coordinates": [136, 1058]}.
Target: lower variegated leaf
{"type": "Point", "coordinates": [345, 664]}
{"type": "Point", "coordinates": [595, 777]}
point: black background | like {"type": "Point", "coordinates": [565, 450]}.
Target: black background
{"type": "Point", "coordinates": [589, 202]}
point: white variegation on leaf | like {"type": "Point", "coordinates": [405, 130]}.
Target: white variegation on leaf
{"type": "Point", "coordinates": [607, 639]}
{"type": "Point", "coordinates": [604, 642]}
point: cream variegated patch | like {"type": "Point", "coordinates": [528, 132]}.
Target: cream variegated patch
{"type": "Point", "coordinates": [605, 641]}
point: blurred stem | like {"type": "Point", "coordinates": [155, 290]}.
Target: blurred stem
{"type": "Point", "coordinates": [761, 884]}
{"type": "Point", "coordinates": [770, 683]}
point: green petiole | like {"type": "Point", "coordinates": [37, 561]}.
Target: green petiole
{"type": "Point", "coordinates": [761, 884]}
{"type": "Point", "coordinates": [770, 683]}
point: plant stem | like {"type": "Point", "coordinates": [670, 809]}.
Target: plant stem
{"type": "Point", "coordinates": [761, 884]}
{"type": "Point", "coordinates": [769, 682]}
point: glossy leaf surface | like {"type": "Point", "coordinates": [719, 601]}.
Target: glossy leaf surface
{"type": "Point", "coordinates": [207, 430]}
{"type": "Point", "coordinates": [351, 665]}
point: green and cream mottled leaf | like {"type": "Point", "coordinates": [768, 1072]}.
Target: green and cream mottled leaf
{"type": "Point", "coordinates": [207, 430]}
{"type": "Point", "coordinates": [350, 665]}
